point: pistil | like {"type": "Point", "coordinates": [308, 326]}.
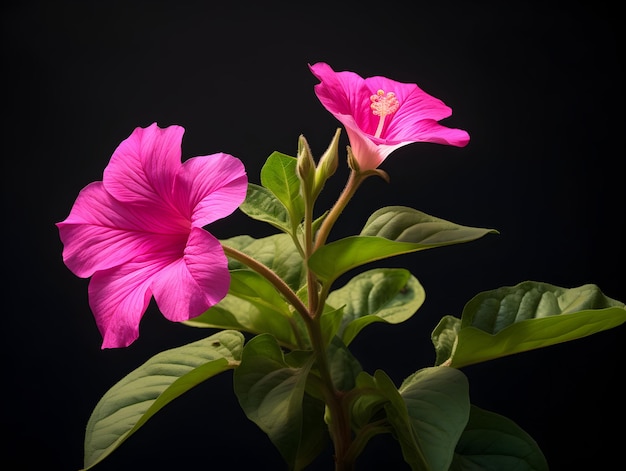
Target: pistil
{"type": "Point", "coordinates": [383, 104]}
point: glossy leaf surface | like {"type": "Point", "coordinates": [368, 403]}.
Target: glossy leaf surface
{"type": "Point", "coordinates": [491, 441]}
{"type": "Point", "coordinates": [524, 317]}
{"type": "Point", "coordinates": [389, 232]}
{"type": "Point", "coordinates": [381, 295]}
{"type": "Point", "coordinates": [138, 396]}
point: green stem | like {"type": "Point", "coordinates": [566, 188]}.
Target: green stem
{"type": "Point", "coordinates": [339, 425]}
{"type": "Point", "coordinates": [308, 250]}
{"type": "Point", "coordinates": [272, 277]}
{"type": "Point", "coordinates": [364, 435]}
{"type": "Point", "coordinates": [354, 180]}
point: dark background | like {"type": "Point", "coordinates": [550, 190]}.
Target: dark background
{"type": "Point", "coordinates": [539, 89]}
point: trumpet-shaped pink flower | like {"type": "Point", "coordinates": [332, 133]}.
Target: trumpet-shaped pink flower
{"type": "Point", "coordinates": [382, 115]}
{"type": "Point", "coordinates": [139, 232]}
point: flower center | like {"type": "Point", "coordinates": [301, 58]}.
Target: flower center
{"type": "Point", "coordinates": [383, 104]}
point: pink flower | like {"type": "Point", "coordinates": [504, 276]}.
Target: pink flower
{"type": "Point", "coordinates": [381, 115]}
{"type": "Point", "coordinates": [139, 232]}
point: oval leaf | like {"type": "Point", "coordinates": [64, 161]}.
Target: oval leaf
{"type": "Point", "coordinates": [279, 176]}
{"type": "Point", "coordinates": [438, 408]}
{"type": "Point", "coordinates": [262, 205]}
{"type": "Point", "coordinates": [491, 441]}
{"type": "Point", "coordinates": [138, 396]}
{"type": "Point", "coordinates": [531, 315]}
{"type": "Point", "coordinates": [271, 393]}
{"type": "Point", "coordinates": [389, 232]}
{"type": "Point", "coordinates": [381, 295]}
{"type": "Point", "coordinates": [404, 224]}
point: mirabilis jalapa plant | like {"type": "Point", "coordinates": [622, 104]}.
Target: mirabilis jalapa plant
{"type": "Point", "coordinates": [140, 233]}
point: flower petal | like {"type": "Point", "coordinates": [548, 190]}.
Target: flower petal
{"type": "Point", "coordinates": [118, 298]}
{"type": "Point", "coordinates": [192, 284]}
{"type": "Point", "coordinates": [373, 137]}
{"type": "Point", "coordinates": [428, 130]}
{"type": "Point", "coordinates": [210, 187]}
{"type": "Point", "coordinates": [143, 167]}
{"type": "Point", "coordinates": [101, 233]}
{"type": "Point", "coordinates": [413, 100]}
{"type": "Point", "coordinates": [370, 153]}
{"type": "Point", "coordinates": [343, 94]}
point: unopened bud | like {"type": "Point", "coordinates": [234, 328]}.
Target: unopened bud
{"type": "Point", "coordinates": [328, 163]}
{"type": "Point", "coordinates": [306, 164]}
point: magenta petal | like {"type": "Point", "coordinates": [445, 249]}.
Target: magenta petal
{"type": "Point", "coordinates": [370, 153]}
{"type": "Point", "coordinates": [432, 131]}
{"type": "Point", "coordinates": [210, 187]}
{"type": "Point", "coordinates": [191, 285]}
{"type": "Point", "coordinates": [414, 117]}
{"type": "Point", "coordinates": [118, 298]}
{"type": "Point", "coordinates": [102, 233]}
{"type": "Point", "coordinates": [143, 167]}
{"type": "Point", "coordinates": [414, 101]}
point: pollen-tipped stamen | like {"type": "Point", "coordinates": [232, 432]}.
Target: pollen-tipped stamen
{"type": "Point", "coordinates": [383, 105]}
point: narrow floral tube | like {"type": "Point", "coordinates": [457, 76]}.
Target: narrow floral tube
{"type": "Point", "coordinates": [381, 115]}
{"type": "Point", "coordinates": [139, 232]}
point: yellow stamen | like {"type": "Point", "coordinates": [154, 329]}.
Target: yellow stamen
{"type": "Point", "coordinates": [383, 105]}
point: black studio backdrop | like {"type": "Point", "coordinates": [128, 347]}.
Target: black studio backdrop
{"type": "Point", "coordinates": [539, 89]}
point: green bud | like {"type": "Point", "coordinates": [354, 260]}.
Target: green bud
{"type": "Point", "coordinates": [328, 163]}
{"type": "Point", "coordinates": [306, 164]}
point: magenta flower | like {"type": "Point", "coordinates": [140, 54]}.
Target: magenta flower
{"type": "Point", "coordinates": [381, 115]}
{"type": "Point", "coordinates": [139, 232]}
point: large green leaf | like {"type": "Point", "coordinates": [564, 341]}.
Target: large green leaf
{"type": "Point", "coordinates": [434, 412]}
{"type": "Point", "coordinates": [261, 204]}
{"type": "Point", "coordinates": [388, 232]}
{"type": "Point", "coordinates": [527, 316]}
{"type": "Point", "coordinates": [253, 305]}
{"type": "Point", "coordinates": [279, 176]}
{"type": "Point", "coordinates": [271, 393]}
{"type": "Point", "coordinates": [277, 252]}
{"type": "Point", "coordinates": [138, 396]}
{"type": "Point", "coordinates": [491, 441]}
{"type": "Point", "coordinates": [381, 295]}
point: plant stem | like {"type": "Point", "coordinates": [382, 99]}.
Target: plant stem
{"type": "Point", "coordinates": [272, 277]}
{"type": "Point", "coordinates": [339, 424]}
{"type": "Point", "coordinates": [354, 180]}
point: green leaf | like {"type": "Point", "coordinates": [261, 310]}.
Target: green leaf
{"type": "Point", "coordinates": [253, 287]}
{"type": "Point", "coordinates": [330, 322]}
{"type": "Point", "coordinates": [344, 367]}
{"type": "Point", "coordinates": [369, 401]}
{"type": "Point", "coordinates": [262, 205]}
{"type": "Point", "coordinates": [381, 295]}
{"type": "Point", "coordinates": [389, 232]}
{"type": "Point", "coordinates": [524, 317]}
{"type": "Point", "coordinates": [277, 252]}
{"type": "Point", "coordinates": [491, 441]}
{"type": "Point", "coordinates": [138, 396]}
{"type": "Point", "coordinates": [271, 393]}
{"type": "Point", "coordinates": [279, 176]}
{"type": "Point", "coordinates": [253, 305]}
{"type": "Point", "coordinates": [444, 338]}
{"type": "Point", "coordinates": [404, 224]}
{"type": "Point", "coordinates": [431, 417]}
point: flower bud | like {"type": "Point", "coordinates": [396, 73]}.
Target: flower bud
{"type": "Point", "coordinates": [305, 164]}
{"type": "Point", "coordinates": [328, 163]}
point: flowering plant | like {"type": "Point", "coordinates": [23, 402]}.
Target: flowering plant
{"type": "Point", "coordinates": [275, 315]}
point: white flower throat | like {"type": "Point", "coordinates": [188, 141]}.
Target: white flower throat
{"type": "Point", "coordinates": [383, 105]}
